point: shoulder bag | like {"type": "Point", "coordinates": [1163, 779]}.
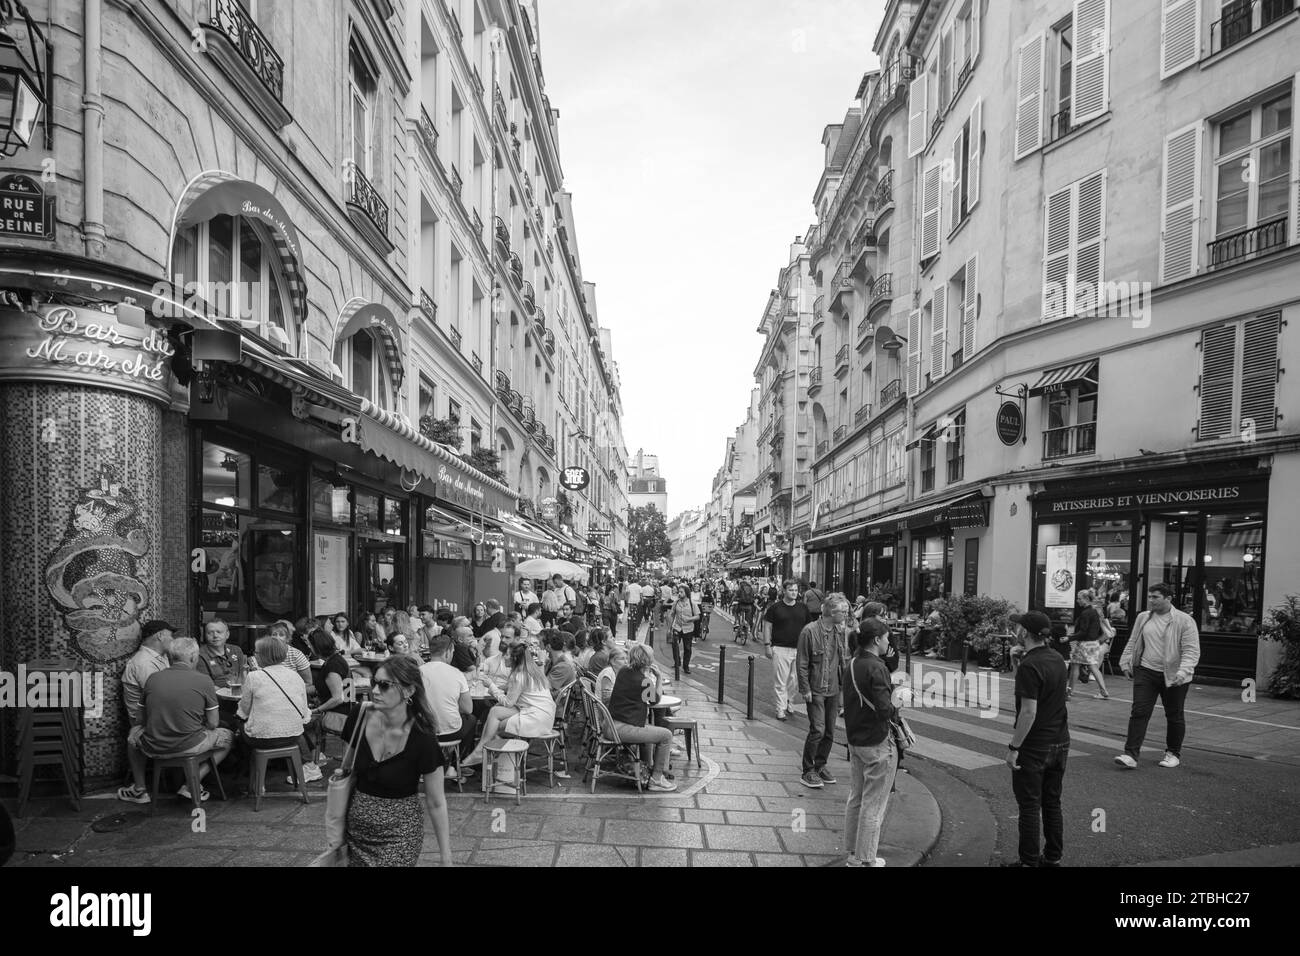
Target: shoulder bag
{"type": "Point", "coordinates": [899, 729]}
{"type": "Point", "coordinates": [306, 718]}
{"type": "Point", "coordinates": [337, 797]}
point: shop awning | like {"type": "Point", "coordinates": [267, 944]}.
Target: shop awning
{"type": "Point", "coordinates": [968, 511]}
{"type": "Point", "coordinates": [836, 537]}
{"type": "Point", "coordinates": [299, 377]}
{"type": "Point", "coordinates": [379, 319]}
{"type": "Point", "coordinates": [927, 435]}
{"type": "Point", "coordinates": [1065, 376]}
{"type": "Point", "coordinates": [525, 539]}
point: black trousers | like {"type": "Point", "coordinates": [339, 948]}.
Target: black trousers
{"type": "Point", "coordinates": [468, 725]}
{"type": "Point", "coordinates": [682, 649]}
{"type": "Point", "coordinates": [1037, 786]}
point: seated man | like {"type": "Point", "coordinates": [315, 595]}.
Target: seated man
{"type": "Point", "coordinates": [180, 713]}
{"type": "Point", "coordinates": [561, 670]}
{"type": "Point", "coordinates": [448, 692]}
{"type": "Point", "coordinates": [149, 659]}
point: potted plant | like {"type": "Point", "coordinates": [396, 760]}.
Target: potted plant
{"type": "Point", "coordinates": [886, 594]}
{"type": "Point", "coordinates": [444, 431]}
{"type": "Point", "coordinates": [1282, 623]}
{"type": "Point", "coordinates": [974, 620]}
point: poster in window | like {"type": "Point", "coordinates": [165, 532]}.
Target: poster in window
{"type": "Point", "coordinates": [329, 573]}
{"type": "Point", "coordinates": [1061, 562]}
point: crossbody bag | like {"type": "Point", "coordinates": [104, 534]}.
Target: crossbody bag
{"type": "Point", "coordinates": [899, 729]}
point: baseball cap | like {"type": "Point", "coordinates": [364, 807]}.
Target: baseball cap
{"type": "Point", "coordinates": [1035, 622]}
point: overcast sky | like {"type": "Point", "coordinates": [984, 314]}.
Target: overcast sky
{"type": "Point", "coordinates": [690, 136]}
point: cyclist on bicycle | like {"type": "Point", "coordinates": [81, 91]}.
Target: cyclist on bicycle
{"type": "Point", "coordinates": [745, 606]}
{"type": "Point", "coordinates": [706, 607]}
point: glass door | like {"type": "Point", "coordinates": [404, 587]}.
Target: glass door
{"type": "Point", "coordinates": [1172, 557]}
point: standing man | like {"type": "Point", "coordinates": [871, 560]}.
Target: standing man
{"type": "Point", "coordinates": [1160, 658]}
{"type": "Point", "coordinates": [648, 595]}
{"type": "Point", "coordinates": [813, 598]}
{"type": "Point", "coordinates": [873, 761]}
{"type": "Point", "coordinates": [819, 658]}
{"type": "Point", "coordinates": [782, 624]}
{"type": "Point", "coordinates": [632, 599]}
{"type": "Point", "coordinates": [1040, 743]}
{"type": "Point", "coordinates": [552, 599]}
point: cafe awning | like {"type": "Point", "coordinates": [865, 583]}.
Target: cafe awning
{"type": "Point", "coordinates": [524, 539]}
{"type": "Point", "coordinates": [1065, 376]}
{"type": "Point", "coordinates": [836, 537]}
{"type": "Point", "coordinates": [359, 314]}
{"type": "Point", "coordinates": [300, 378]}
{"type": "Point", "coordinates": [967, 511]}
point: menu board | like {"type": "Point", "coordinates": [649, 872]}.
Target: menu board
{"type": "Point", "coordinates": [1062, 559]}
{"type": "Point", "coordinates": [329, 573]}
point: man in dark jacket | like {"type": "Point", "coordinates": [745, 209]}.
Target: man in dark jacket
{"type": "Point", "coordinates": [873, 761]}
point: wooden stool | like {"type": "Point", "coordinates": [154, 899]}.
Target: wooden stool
{"type": "Point", "coordinates": [516, 752]}
{"type": "Point", "coordinates": [190, 764]}
{"type": "Point", "coordinates": [451, 756]}
{"type": "Point", "coordinates": [691, 730]}
{"type": "Point", "coordinates": [257, 772]}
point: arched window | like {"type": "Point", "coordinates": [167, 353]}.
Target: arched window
{"type": "Point", "coordinates": [364, 364]}
{"type": "Point", "coordinates": [231, 265]}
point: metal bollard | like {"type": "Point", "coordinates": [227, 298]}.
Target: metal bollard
{"type": "Point", "coordinates": [749, 694]}
{"type": "Point", "coordinates": [722, 669]}
{"type": "Point", "coordinates": [965, 652]}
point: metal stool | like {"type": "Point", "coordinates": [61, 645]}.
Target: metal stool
{"type": "Point", "coordinates": [190, 764]}
{"type": "Point", "coordinates": [516, 752]}
{"type": "Point", "coordinates": [257, 772]}
{"type": "Point", "coordinates": [451, 756]}
{"type": "Point", "coordinates": [548, 740]}
{"type": "Point", "coordinates": [691, 731]}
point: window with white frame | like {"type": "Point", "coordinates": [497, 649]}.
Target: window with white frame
{"type": "Point", "coordinates": [1252, 178]}
{"type": "Point", "coordinates": [1070, 420]}
{"type": "Point", "coordinates": [363, 357]}
{"type": "Point", "coordinates": [362, 94]}
{"type": "Point", "coordinates": [1239, 373]}
{"type": "Point", "coordinates": [233, 264]}
{"type": "Point", "coordinates": [428, 398]}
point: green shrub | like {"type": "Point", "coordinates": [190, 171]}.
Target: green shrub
{"type": "Point", "coordinates": [1282, 623]}
{"type": "Point", "coordinates": [975, 618]}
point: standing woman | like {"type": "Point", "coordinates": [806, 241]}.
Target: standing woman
{"type": "Point", "coordinates": [397, 749]}
{"type": "Point", "coordinates": [1085, 645]}
{"type": "Point", "coordinates": [685, 612]}
{"type": "Point", "coordinates": [609, 608]}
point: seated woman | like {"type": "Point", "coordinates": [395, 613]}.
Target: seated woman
{"type": "Point", "coordinates": [636, 686]}
{"type": "Point", "coordinates": [400, 645]}
{"type": "Point", "coordinates": [529, 709]}
{"type": "Point", "coordinates": [599, 641]}
{"type": "Point", "coordinates": [332, 681]}
{"type": "Point", "coordinates": [494, 673]}
{"type": "Point", "coordinates": [274, 704]}
{"type": "Point", "coordinates": [345, 639]}
{"type": "Point", "coordinates": [581, 650]}
{"type": "Point", "coordinates": [605, 679]}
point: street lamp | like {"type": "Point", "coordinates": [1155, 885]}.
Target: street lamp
{"type": "Point", "coordinates": [24, 81]}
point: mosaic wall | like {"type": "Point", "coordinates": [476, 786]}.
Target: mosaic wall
{"type": "Point", "coordinates": [82, 512]}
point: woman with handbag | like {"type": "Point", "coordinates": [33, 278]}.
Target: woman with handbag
{"type": "Point", "coordinates": [1085, 645]}
{"type": "Point", "coordinates": [393, 747]}
{"type": "Point", "coordinates": [331, 680]}
{"type": "Point", "coordinates": [273, 705]}
{"type": "Point", "coordinates": [685, 617]}
{"type": "Point", "coordinates": [869, 713]}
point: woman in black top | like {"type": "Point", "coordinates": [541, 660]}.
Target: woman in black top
{"type": "Point", "coordinates": [331, 679]}
{"type": "Point", "coordinates": [635, 688]}
{"type": "Point", "coordinates": [398, 747]}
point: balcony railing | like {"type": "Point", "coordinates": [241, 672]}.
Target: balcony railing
{"type": "Point", "coordinates": [539, 317]}
{"type": "Point", "coordinates": [528, 187]}
{"type": "Point", "coordinates": [230, 17]}
{"type": "Point", "coordinates": [529, 297]}
{"type": "Point", "coordinates": [885, 191]}
{"type": "Point", "coordinates": [428, 134]}
{"type": "Point", "coordinates": [839, 433]}
{"type": "Point", "coordinates": [479, 88]}
{"type": "Point", "coordinates": [516, 268]}
{"type": "Point", "coordinates": [502, 380]}
{"type": "Point", "coordinates": [936, 124]}
{"type": "Point", "coordinates": [842, 358]}
{"type": "Point", "coordinates": [501, 232]}
{"type": "Point", "coordinates": [454, 334]}
{"type": "Point", "coordinates": [883, 287]}
{"type": "Point", "coordinates": [366, 198]}
{"type": "Point", "coordinates": [428, 306]}
{"type": "Point", "coordinates": [516, 403]}
{"type": "Point", "coordinates": [548, 445]}
{"type": "Point", "coordinates": [456, 181]}
{"type": "Point", "coordinates": [477, 220]}
{"type": "Point", "coordinates": [549, 341]}
{"type": "Point", "coordinates": [499, 100]}
{"type": "Point", "coordinates": [818, 304]}
{"type": "Point", "coordinates": [864, 328]}
{"type": "Point", "coordinates": [1249, 243]}
{"type": "Point", "coordinates": [1070, 440]}
{"type": "Point", "coordinates": [550, 248]}
{"type": "Point", "coordinates": [964, 74]}
{"type": "Point", "coordinates": [476, 362]}
{"type": "Point", "coordinates": [537, 218]}
{"type": "Point", "coordinates": [891, 392]}
{"type": "Point", "coordinates": [815, 378]}
{"type": "Point", "coordinates": [822, 448]}
{"type": "Point", "coordinates": [1246, 17]}
{"type": "Point", "coordinates": [861, 415]}
{"type": "Point", "coordinates": [1061, 125]}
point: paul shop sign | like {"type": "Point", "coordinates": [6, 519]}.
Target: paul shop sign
{"type": "Point", "coordinates": [85, 347]}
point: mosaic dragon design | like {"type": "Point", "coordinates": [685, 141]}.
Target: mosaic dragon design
{"type": "Point", "coordinates": [103, 603]}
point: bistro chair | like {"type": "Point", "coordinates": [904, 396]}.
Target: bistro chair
{"type": "Point", "coordinates": [690, 729]}
{"type": "Point", "coordinates": [257, 772]}
{"type": "Point", "coordinates": [607, 745]}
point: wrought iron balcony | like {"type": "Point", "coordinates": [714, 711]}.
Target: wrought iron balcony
{"type": "Point", "coordinates": [885, 191]}
{"type": "Point", "coordinates": [502, 380]}
{"type": "Point", "coordinates": [864, 328]}
{"type": "Point", "coordinates": [882, 288]}
{"type": "Point", "coordinates": [840, 433]}
{"type": "Point", "coordinates": [516, 268]}
{"type": "Point", "coordinates": [861, 415]}
{"type": "Point", "coordinates": [233, 25]}
{"type": "Point", "coordinates": [528, 188]}
{"type": "Point", "coordinates": [479, 88]}
{"type": "Point", "coordinates": [502, 233]}
{"type": "Point", "coordinates": [529, 416]}
{"type": "Point", "coordinates": [428, 134]}
{"type": "Point", "coordinates": [1244, 18]}
{"type": "Point", "coordinates": [1069, 441]}
{"type": "Point", "coordinates": [963, 75]}
{"type": "Point", "coordinates": [457, 183]}
{"type": "Point", "coordinates": [428, 307]}
{"type": "Point", "coordinates": [363, 197]}
{"type": "Point", "coordinates": [516, 403]}
{"type": "Point", "coordinates": [1249, 243]}
{"type": "Point", "coordinates": [548, 445]}
{"type": "Point", "coordinates": [537, 218]}
{"type": "Point", "coordinates": [1060, 126]}
{"type": "Point", "coordinates": [842, 359]}
{"type": "Point", "coordinates": [477, 220]}
{"type": "Point", "coordinates": [550, 248]}
{"type": "Point", "coordinates": [549, 341]}
{"type": "Point", "coordinates": [891, 392]}
{"type": "Point", "coordinates": [476, 362]}
{"type": "Point", "coordinates": [818, 304]}
{"type": "Point", "coordinates": [822, 448]}
{"type": "Point", "coordinates": [499, 101]}
{"type": "Point", "coordinates": [540, 318]}
{"type": "Point", "coordinates": [529, 296]}
{"type": "Point", "coordinates": [454, 334]}
{"type": "Point", "coordinates": [814, 379]}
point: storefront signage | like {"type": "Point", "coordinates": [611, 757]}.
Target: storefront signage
{"type": "Point", "coordinates": [575, 479]}
{"type": "Point", "coordinates": [85, 347]}
{"type": "Point", "coordinates": [971, 569]}
{"type": "Point", "coordinates": [470, 495]}
{"type": "Point", "coordinates": [1146, 499]}
{"type": "Point", "coordinates": [25, 210]}
{"type": "Point", "coordinates": [969, 513]}
{"type": "Point", "coordinates": [330, 574]}
{"type": "Point", "coordinates": [1011, 423]}
{"type": "Point", "coordinates": [1062, 560]}
{"type": "Point", "coordinates": [549, 508]}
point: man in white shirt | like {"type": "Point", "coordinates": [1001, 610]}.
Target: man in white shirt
{"type": "Point", "coordinates": [532, 623]}
{"type": "Point", "coordinates": [448, 692]}
{"type": "Point", "coordinates": [632, 598]}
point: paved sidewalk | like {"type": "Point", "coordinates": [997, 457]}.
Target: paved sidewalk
{"type": "Point", "coordinates": [745, 807]}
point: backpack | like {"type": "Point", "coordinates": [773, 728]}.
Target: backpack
{"type": "Point", "coordinates": [745, 595]}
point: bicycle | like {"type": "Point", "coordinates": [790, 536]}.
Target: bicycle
{"type": "Point", "coordinates": [706, 615]}
{"type": "Point", "coordinates": [744, 629]}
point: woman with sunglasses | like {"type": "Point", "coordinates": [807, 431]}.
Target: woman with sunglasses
{"type": "Point", "coordinates": [398, 747]}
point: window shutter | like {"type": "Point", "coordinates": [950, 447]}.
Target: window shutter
{"type": "Point", "coordinates": [1180, 35]}
{"type": "Point", "coordinates": [947, 79]}
{"type": "Point", "coordinates": [952, 194]}
{"type": "Point", "coordinates": [970, 308]}
{"type": "Point", "coordinates": [931, 195]}
{"type": "Point", "coordinates": [1092, 60]}
{"type": "Point", "coordinates": [976, 147]}
{"type": "Point", "coordinates": [1218, 351]}
{"type": "Point", "coordinates": [914, 352]}
{"type": "Point", "coordinates": [918, 123]}
{"type": "Point", "coordinates": [939, 331]}
{"type": "Point", "coordinates": [1295, 169]}
{"type": "Point", "coordinates": [1180, 226]}
{"type": "Point", "coordinates": [975, 29]}
{"type": "Point", "coordinates": [1090, 242]}
{"type": "Point", "coordinates": [1056, 253]}
{"type": "Point", "coordinates": [1259, 373]}
{"type": "Point", "coordinates": [1029, 97]}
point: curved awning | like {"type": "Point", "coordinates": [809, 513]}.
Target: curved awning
{"type": "Point", "coordinates": [359, 314]}
{"type": "Point", "coordinates": [1062, 378]}
{"type": "Point", "coordinates": [216, 193]}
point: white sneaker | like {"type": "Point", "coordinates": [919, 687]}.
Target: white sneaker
{"type": "Point", "coordinates": [1169, 760]}
{"type": "Point", "coordinates": [1127, 762]}
{"type": "Point", "coordinates": [880, 861]}
{"type": "Point", "coordinates": [853, 861]}
{"type": "Point", "coordinates": [311, 773]}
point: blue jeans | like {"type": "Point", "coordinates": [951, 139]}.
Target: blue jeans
{"type": "Point", "coordinates": [871, 775]}
{"type": "Point", "coordinates": [1147, 686]}
{"type": "Point", "coordinates": [822, 712]}
{"type": "Point", "coordinates": [1037, 786]}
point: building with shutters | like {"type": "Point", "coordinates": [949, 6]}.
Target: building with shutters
{"type": "Point", "coordinates": [1095, 313]}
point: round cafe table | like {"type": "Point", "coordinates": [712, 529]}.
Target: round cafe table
{"type": "Point", "coordinates": [226, 694]}
{"type": "Point", "coordinates": [664, 707]}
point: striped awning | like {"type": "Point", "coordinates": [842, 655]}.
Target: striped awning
{"type": "Point", "coordinates": [1065, 376]}
{"type": "Point", "coordinates": [359, 314]}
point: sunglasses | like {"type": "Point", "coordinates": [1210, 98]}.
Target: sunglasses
{"type": "Point", "coordinates": [384, 686]}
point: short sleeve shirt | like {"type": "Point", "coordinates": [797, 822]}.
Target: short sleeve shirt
{"type": "Point", "coordinates": [1041, 677]}
{"type": "Point", "coordinates": [334, 665]}
{"type": "Point", "coordinates": [176, 702]}
{"type": "Point", "coordinates": [399, 776]}
{"type": "Point", "coordinates": [787, 621]}
{"type": "Point", "coordinates": [443, 685]}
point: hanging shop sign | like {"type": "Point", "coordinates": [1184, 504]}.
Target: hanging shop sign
{"type": "Point", "coordinates": [25, 210]}
{"type": "Point", "coordinates": [1011, 423]}
{"type": "Point", "coordinates": [1061, 563]}
{"type": "Point", "coordinates": [575, 479]}
{"type": "Point", "coordinates": [59, 343]}
{"type": "Point", "coordinates": [549, 508]}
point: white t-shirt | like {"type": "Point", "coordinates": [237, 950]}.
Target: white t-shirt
{"type": "Point", "coordinates": [633, 595]}
{"type": "Point", "coordinates": [533, 625]}
{"type": "Point", "coordinates": [648, 592]}
{"type": "Point", "coordinates": [605, 684]}
{"type": "Point", "coordinates": [443, 685]}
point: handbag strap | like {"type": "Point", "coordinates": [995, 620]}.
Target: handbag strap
{"type": "Point", "coordinates": [861, 698]}
{"type": "Point", "coordinates": [355, 740]}
{"type": "Point", "coordinates": [268, 673]}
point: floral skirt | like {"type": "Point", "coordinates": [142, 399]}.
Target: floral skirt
{"type": "Point", "coordinates": [1085, 652]}
{"type": "Point", "coordinates": [383, 831]}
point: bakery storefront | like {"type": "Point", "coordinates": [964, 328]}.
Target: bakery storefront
{"type": "Point", "coordinates": [1205, 536]}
